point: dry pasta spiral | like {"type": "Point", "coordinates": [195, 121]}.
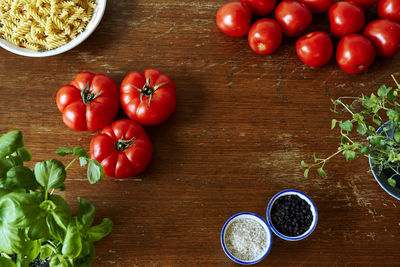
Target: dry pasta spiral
{"type": "Point", "coordinates": [44, 24]}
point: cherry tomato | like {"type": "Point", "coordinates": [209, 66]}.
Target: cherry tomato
{"type": "Point", "coordinates": [123, 149]}
{"type": "Point", "coordinates": [346, 18]}
{"type": "Point", "coordinates": [89, 102]}
{"type": "Point", "coordinates": [315, 49]}
{"type": "Point", "coordinates": [355, 53]}
{"type": "Point", "coordinates": [293, 17]}
{"type": "Point", "coordinates": [265, 36]}
{"type": "Point", "coordinates": [318, 6]}
{"type": "Point", "coordinates": [260, 7]}
{"type": "Point", "coordinates": [365, 4]}
{"type": "Point", "coordinates": [148, 98]}
{"type": "Point", "coordinates": [384, 35]}
{"type": "Point", "coordinates": [234, 19]}
{"type": "Point", "coordinates": [389, 9]}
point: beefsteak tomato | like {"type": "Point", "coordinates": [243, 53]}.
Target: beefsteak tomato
{"type": "Point", "coordinates": [148, 98]}
{"type": "Point", "coordinates": [123, 149]}
{"type": "Point", "coordinates": [89, 102]}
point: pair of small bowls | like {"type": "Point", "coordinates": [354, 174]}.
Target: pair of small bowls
{"type": "Point", "coordinates": [268, 226]}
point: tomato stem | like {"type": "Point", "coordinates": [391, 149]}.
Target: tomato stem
{"type": "Point", "coordinates": [147, 90]}
{"type": "Point", "coordinates": [122, 145]}
{"type": "Point", "coordinates": [87, 95]}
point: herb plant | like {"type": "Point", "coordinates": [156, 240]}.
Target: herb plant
{"type": "Point", "coordinates": [36, 221]}
{"type": "Point", "coordinates": [359, 136]}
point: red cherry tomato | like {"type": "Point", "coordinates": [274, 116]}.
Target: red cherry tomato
{"type": "Point", "coordinates": [346, 18]}
{"type": "Point", "coordinates": [318, 6]}
{"type": "Point", "coordinates": [355, 53]}
{"type": "Point", "coordinates": [293, 17]}
{"type": "Point", "coordinates": [389, 9]}
{"type": "Point", "coordinates": [265, 36]}
{"type": "Point", "coordinates": [148, 98]}
{"type": "Point", "coordinates": [234, 19]}
{"type": "Point", "coordinates": [260, 7]}
{"type": "Point", "coordinates": [365, 4]}
{"type": "Point", "coordinates": [315, 49]}
{"type": "Point", "coordinates": [89, 102]}
{"type": "Point", "coordinates": [384, 35]}
{"type": "Point", "coordinates": [123, 149]}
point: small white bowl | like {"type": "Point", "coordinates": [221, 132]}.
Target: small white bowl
{"type": "Point", "coordinates": [313, 211]}
{"type": "Point", "coordinates": [94, 22]}
{"type": "Point", "coordinates": [255, 217]}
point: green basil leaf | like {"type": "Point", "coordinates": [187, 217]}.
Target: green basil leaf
{"type": "Point", "coordinates": [80, 151]}
{"type": "Point", "coordinates": [306, 171]}
{"type": "Point", "coordinates": [85, 213]}
{"type": "Point", "coordinates": [87, 258]}
{"type": "Point", "coordinates": [57, 260]}
{"type": "Point", "coordinates": [32, 253]}
{"type": "Point", "coordinates": [15, 160]}
{"type": "Point", "coordinates": [50, 174]}
{"type": "Point", "coordinates": [62, 212]}
{"type": "Point", "coordinates": [364, 150]}
{"type": "Point", "coordinates": [6, 262]}
{"type": "Point", "coordinates": [392, 182]}
{"type": "Point", "coordinates": [62, 151]}
{"type": "Point", "coordinates": [383, 91]}
{"type": "Point", "coordinates": [45, 251]}
{"type": "Point", "coordinates": [82, 161]}
{"type": "Point", "coordinates": [10, 142]}
{"type": "Point", "coordinates": [95, 171]}
{"type": "Point", "coordinates": [346, 126]}
{"type": "Point", "coordinates": [333, 124]}
{"type": "Point", "coordinates": [397, 136]}
{"type": "Point", "coordinates": [361, 129]}
{"type": "Point", "coordinates": [5, 165]}
{"type": "Point", "coordinates": [20, 177]}
{"type": "Point", "coordinates": [24, 153]}
{"type": "Point", "coordinates": [304, 164]}
{"type": "Point", "coordinates": [349, 155]}
{"type": "Point", "coordinates": [72, 244]}
{"type": "Point", "coordinates": [99, 231]}
{"type": "Point", "coordinates": [321, 172]}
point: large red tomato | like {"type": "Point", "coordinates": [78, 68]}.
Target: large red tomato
{"type": "Point", "coordinates": [384, 35]}
{"type": "Point", "coordinates": [355, 53]}
{"type": "Point", "coordinates": [260, 7]}
{"type": "Point", "coordinates": [315, 49]}
{"type": "Point", "coordinates": [293, 17]}
{"type": "Point", "coordinates": [123, 149]}
{"type": "Point", "coordinates": [234, 19]}
{"type": "Point", "coordinates": [318, 6]}
{"type": "Point", "coordinates": [89, 102]}
{"type": "Point", "coordinates": [365, 4]}
{"type": "Point", "coordinates": [148, 98]}
{"type": "Point", "coordinates": [389, 9]}
{"type": "Point", "coordinates": [346, 18]}
{"type": "Point", "coordinates": [265, 36]}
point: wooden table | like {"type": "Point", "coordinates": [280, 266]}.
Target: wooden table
{"type": "Point", "coordinates": [242, 125]}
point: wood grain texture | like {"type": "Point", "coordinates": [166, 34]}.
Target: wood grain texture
{"type": "Point", "coordinates": [243, 124]}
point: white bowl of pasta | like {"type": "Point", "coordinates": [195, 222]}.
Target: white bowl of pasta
{"type": "Point", "coordinates": [42, 28]}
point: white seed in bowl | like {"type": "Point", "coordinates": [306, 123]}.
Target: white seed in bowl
{"type": "Point", "coordinates": [246, 239]}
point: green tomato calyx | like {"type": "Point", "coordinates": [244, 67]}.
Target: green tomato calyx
{"type": "Point", "coordinates": [122, 145]}
{"type": "Point", "coordinates": [147, 90]}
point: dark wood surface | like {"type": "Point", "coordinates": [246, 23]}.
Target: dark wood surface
{"type": "Point", "coordinates": [242, 125]}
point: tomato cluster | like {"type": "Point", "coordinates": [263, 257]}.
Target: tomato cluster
{"type": "Point", "coordinates": [355, 52]}
{"type": "Point", "coordinates": [91, 102]}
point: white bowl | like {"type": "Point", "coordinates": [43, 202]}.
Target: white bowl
{"type": "Point", "coordinates": [302, 196]}
{"type": "Point", "coordinates": [94, 22]}
{"type": "Point", "coordinates": [253, 217]}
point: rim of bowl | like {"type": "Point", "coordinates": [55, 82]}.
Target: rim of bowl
{"type": "Point", "coordinates": [90, 28]}
{"type": "Point", "coordinates": [233, 258]}
{"type": "Point", "coordinates": [372, 167]}
{"type": "Point", "coordinates": [313, 210]}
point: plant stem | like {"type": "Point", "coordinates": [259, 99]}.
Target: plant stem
{"type": "Point", "coordinates": [346, 107]}
{"type": "Point", "coordinates": [72, 161]}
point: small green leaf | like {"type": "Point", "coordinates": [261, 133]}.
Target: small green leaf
{"type": "Point", "coordinates": [99, 231]}
{"type": "Point", "coordinates": [334, 121]}
{"type": "Point", "coordinates": [304, 164]}
{"type": "Point", "coordinates": [382, 91]}
{"type": "Point", "coordinates": [45, 251]}
{"type": "Point", "coordinates": [377, 121]}
{"type": "Point", "coordinates": [392, 182]}
{"type": "Point", "coordinates": [50, 174]}
{"type": "Point", "coordinates": [62, 151]}
{"type": "Point", "coordinates": [20, 177]}
{"type": "Point", "coordinates": [364, 150]}
{"type": "Point", "coordinates": [316, 157]}
{"type": "Point", "coordinates": [306, 171]}
{"type": "Point", "coordinates": [85, 213]}
{"type": "Point", "coordinates": [397, 136]}
{"type": "Point", "coordinates": [349, 155]}
{"type": "Point", "coordinates": [82, 161]}
{"type": "Point", "coordinates": [95, 171]}
{"type": "Point", "coordinates": [321, 172]}
{"type": "Point", "coordinates": [72, 244]}
{"type": "Point", "coordinates": [80, 151]}
{"type": "Point", "coordinates": [361, 129]}
{"type": "Point", "coordinates": [346, 126]}
{"type": "Point", "coordinates": [10, 142]}
{"type": "Point", "coordinates": [24, 153]}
